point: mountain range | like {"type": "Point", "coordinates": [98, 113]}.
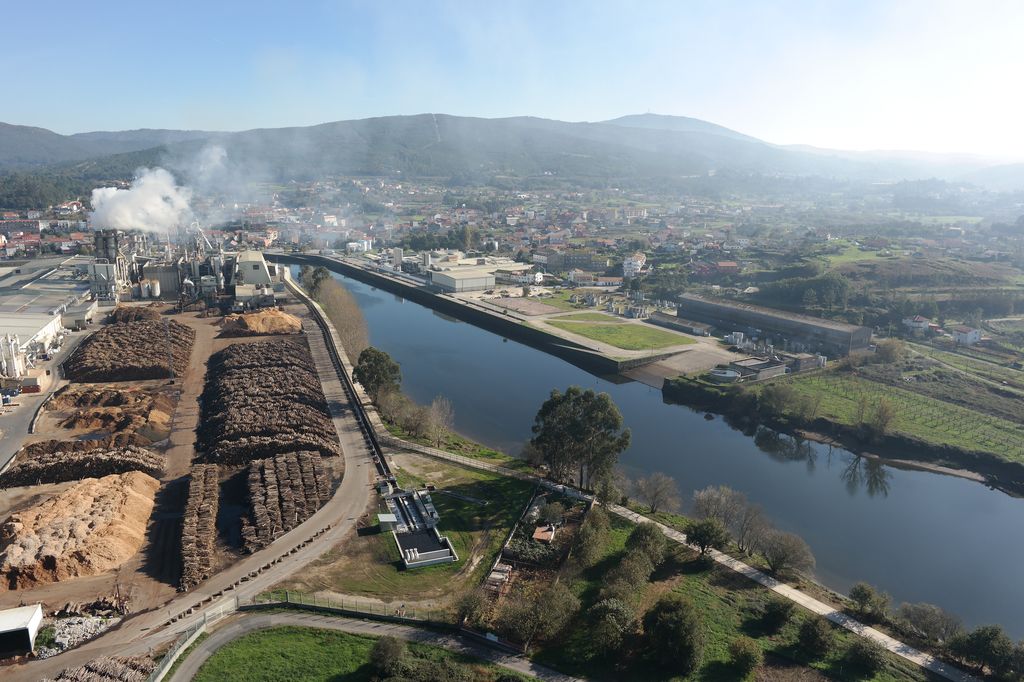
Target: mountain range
{"type": "Point", "coordinates": [438, 145]}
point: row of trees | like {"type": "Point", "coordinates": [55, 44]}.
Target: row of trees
{"type": "Point", "coordinates": [341, 308]}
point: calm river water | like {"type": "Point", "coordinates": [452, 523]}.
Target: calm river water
{"type": "Point", "coordinates": [917, 535]}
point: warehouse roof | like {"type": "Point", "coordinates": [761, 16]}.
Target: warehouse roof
{"type": "Point", "coordinates": [20, 617]}
{"type": "Point", "coordinates": [25, 325]}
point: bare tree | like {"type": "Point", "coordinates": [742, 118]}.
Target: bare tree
{"type": "Point", "coordinates": [721, 503]}
{"type": "Point", "coordinates": [346, 316]}
{"type": "Point", "coordinates": [658, 491]}
{"type": "Point", "coordinates": [415, 420]}
{"type": "Point", "coordinates": [750, 529]}
{"type": "Point", "coordinates": [392, 405]}
{"type": "Point", "coordinates": [442, 418]}
{"type": "Point", "coordinates": [786, 553]}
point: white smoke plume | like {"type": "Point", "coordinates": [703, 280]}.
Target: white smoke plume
{"type": "Point", "coordinates": [154, 202]}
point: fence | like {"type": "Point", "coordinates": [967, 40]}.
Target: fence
{"type": "Point", "coordinates": [354, 606]}
{"type": "Point", "coordinates": [190, 635]}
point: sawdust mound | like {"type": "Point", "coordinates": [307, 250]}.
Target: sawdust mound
{"type": "Point", "coordinates": [57, 467]}
{"type": "Point", "coordinates": [131, 351]}
{"type": "Point", "coordinates": [117, 410]}
{"type": "Point", "coordinates": [92, 527]}
{"type": "Point", "coordinates": [111, 669]}
{"type": "Point", "coordinates": [261, 323]}
{"type": "Point", "coordinates": [131, 313]}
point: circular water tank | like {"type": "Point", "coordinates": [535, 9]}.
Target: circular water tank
{"type": "Point", "coordinates": [146, 290]}
{"type": "Point", "coordinates": [154, 288]}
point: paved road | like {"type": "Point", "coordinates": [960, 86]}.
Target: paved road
{"type": "Point", "coordinates": [242, 624]}
{"type": "Point", "coordinates": [14, 425]}
{"type": "Point", "coordinates": [150, 630]}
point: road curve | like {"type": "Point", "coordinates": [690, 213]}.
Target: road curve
{"type": "Point", "coordinates": [240, 624]}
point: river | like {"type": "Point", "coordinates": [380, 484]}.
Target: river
{"type": "Point", "coordinates": [920, 536]}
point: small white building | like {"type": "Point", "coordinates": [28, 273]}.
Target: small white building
{"type": "Point", "coordinates": [24, 337]}
{"type": "Point", "coordinates": [966, 336]}
{"type": "Point", "coordinates": [18, 629]}
{"type": "Point", "coordinates": [633, 265]}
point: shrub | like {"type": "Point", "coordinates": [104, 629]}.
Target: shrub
{"type": "Point", "coordinates": [816, 637]}
{"type": "Point", "coordinates": [746, 655]}
{"type": "Point", "coordinates": [866, 655]}
{"type": "Point", "coordinates": [675, 633]}
{"type": "Point", "coordinates": [648, 540]}
{"type": "Point", "coordinates": [777, 612]}
{"type": "Point", "coordinates": [387, 654]}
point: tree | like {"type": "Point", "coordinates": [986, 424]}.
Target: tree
{"type": "Point", "coordinates": [777, 612]}
{"type": "Point", "coordinates": [556, 606]}
{"type": "Point", "coordinates": [345, 314]}
{"type": "Point", "coordinates": [816, 637]}
{"type": "Point", "coordinates": [648, 540]}
{"type": "Point", "coordinates": [890, 350]}
{"type": "Point", "coordinates": [868, 601]}
{"type": "Point", "coordinates": [627, 577]}
{"type": "Point", "coordinates": [552, 513]}
{"type": "Point", "coordinates": [658, 491]}
{"type": "Point", "coordinates": [580, 430]}
{"type": "Point", "coordinates": [472, 606]}
{"type": "Point", "coordinates": [866, 655]}
{"type": "Point", "coordinates": [316, 278]}
{"type": "Point", "coordinates": [611, 620]}
{"type": "Point", "coordinates": [589, 542]}
{"type": "Point", "coordinates": [707, 534]}
{"type": "Point", "coordinates": [377, 372]}
{"type": "Point", "coordinates": [984, 646]}
{"type": "Point", "coordinates": [442, 418]}
{"type": "Point", "coordinates": [882, 418]}
{"type": "Point", "coordinates": [387, 654]}
{"type": "Point", "coordinates": [675, 633]}
{"type": "Point", "coordinates": [746, 655]}
{"type": "Point", "coordinates": [928, 621]}
{"type": "Point", "coordinates": [786, 553]}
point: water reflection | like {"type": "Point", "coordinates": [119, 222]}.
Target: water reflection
{"type": "Point", "coordinates": [868, 473]}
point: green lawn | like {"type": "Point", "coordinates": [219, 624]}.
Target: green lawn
{"type": "Point", "coordinates": [300, 654]}
{"type": "Point", "coordinates": [625, 336]}
{"type": "Point", "coordinates": [459, 445]}
{"type": "Point", "coordinates": [917, 415]}
{"type": "Point", "coordinates": [590, 317]}
{"type": "Point", "coordinates": [727, 603]}
{"type": "Point", "coordinates": [369, 564]}
{"type": "Point", "coordinates": [558, 299]}
{"type": "Point", "coordinates": [851, 254]}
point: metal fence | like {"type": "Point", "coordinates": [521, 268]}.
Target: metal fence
{"type": "Point", "coordinates": [344, 605]}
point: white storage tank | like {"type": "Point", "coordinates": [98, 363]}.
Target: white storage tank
{"type": "Point", "coordinates": [154, 288]}
{"type": "Point", "coordinates": [146, 289]}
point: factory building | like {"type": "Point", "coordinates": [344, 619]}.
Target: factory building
{"type": "Point", "coordinates": [786, 330]}
{"type": "Point", "coordinates": [18, 629]}
{"type": "Point", "coordinates": [463, 279]}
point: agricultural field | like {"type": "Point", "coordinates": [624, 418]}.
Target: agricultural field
{"type": "Point", "coordinates": [920, 416]}
{"type": "Point", "coordinates": [730, 606]}
{"type": "Point", "coordinates": [477, 509]}
{"type": "Point", "coordinates": [299, 654]}
{"type": "Point", "coordinates": [625, 336]}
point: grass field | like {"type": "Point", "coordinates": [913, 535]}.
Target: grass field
{"type": "Point", "coordinates": [852, 254]}
{"type": "Point", "coordinates": [558, 299]}
{"type": "Point", "coordinates": [625, 336]}
{"type": "Point", "coordinates": [590, 317]}
{"type": "Point", "coordinates": [295, 654]}
{"type": "Point", "coordinates": [920, 416]}
{"type": "Point", "coordinates": [727, 603]}
{"type": "Point", "coordinates": [459, 445]}
{"type": "Point", "coordinates": [369, 564]}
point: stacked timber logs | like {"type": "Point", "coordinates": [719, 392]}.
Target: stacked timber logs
{"type": "Point", "coordinates": [263, 399]}
{"type": "Point", "coordinates": [57, 467]}
{"type": "Point", "coordinates": [111, 442]}
{"type": "Point", "coordinates": [284, 491]}
{"type": "Point", "coordinates": [111, 669]}
{"type": "Point", "coordinates": [131, 351]}
{"type": "Point", "coordinates": [199, 530]}
{"type": "Point", "coordinates": [131, 313]}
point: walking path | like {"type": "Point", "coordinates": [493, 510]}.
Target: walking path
{"type": "Point", "coordinates": [243, 624]}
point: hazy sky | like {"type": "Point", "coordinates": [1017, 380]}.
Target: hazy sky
{"type": "Point", "coordinates": [863, 74]}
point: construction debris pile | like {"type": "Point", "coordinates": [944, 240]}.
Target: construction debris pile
{"type": "Point", "coordinates": [110, 669]}
{"type": "Point", "coordinates": [262, 399]}
{"type": "Point", "coordinates": [261, 323]}
{"type": "Point", "coordinates": [199, 530]}
{"type": "Point", "coordinates": [284, 491]}
{"type": "Point", "coordinates": [131, 351]}
{"type": "Point", "coordinates": [72, 631]}
{"type": "Point", "coordinates": [57, 467]}
{"type": "Point", "coordinates": [92, 527]}
{"type": "Point", "coordinates": [132, 313]}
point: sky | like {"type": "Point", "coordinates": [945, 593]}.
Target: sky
{"type": "Point", "coordinates": [927, 75]}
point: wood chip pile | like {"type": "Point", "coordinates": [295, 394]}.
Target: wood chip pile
{"type": "Point", "coordinates": [284, 491]}
{"type": "Point", "coordinates": [111, 442]}
{"type": "Point", "coordinates": [57, 467]}
{"type": "Point", "coordinates": [131, 351]}
{"type": "Point", "coordinates": [111, 669]}
{"type": "Point", "coordinates": [91, 528]}
{"type": "Point", "coordinates": [263, 399]}
{"type": "Point", "coordinates": [261, 323]}
{"type": "Point", "coordinates": [131, 313]}
{"type": "Point", "coordinates": [199, 530]}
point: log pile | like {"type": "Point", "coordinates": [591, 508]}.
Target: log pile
{"type": "Point", "coordinates": [57, 467]}
{"type": "Point", "coordinates": [284, 491]}
{"type": "Point", "coordinates": [111, 669]}
{"type": "Point", "coordinates": [111, 442]}
{"type": "Point", "coordinates": [131, 351]}
{"type": "Point", "coordinates": [263, 399]}
{"type": "Point", "coordinates": [199, 530]}
{"type": "Point", "coordinates": [131, 313]}
{"type": "Point", "coordinates": [91, 528]}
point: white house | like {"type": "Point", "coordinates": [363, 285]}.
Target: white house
{"type": "Point", "coordinates": [916, 324]}
{"type": "Point", "coordinates": [966, 336]}
{"type": "Point", "coordinates": [632, 266]}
